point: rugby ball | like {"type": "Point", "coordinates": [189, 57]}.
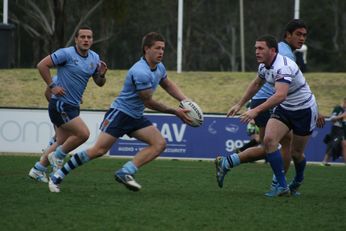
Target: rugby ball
{"type": "Point", "coordinates": [195, 113]}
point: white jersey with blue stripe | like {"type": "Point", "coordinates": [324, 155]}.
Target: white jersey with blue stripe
{"type": "Point", "coordinates": [267, 90]}
{"type": "Point", "coordinates": [139, 77]}
{"type": "Point", "coordinates": [73, 72]}
{"type": "Point", "coordinates": [285, 70]}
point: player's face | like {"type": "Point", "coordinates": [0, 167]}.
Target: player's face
{"type": "Point", "coordinates": [154, 54]}
{"type": "Point", "coordinates": [297, 38]}
{"type": "Point", "coordinates": [84, 40]}
{"type": "Point", "coordinates": [263, 52]}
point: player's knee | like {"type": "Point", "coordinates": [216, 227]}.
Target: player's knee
{"type": "Point", "coordinates": [84, 136]}
{"type": "Point", "coordinates": [270, 144]}
{"type": "Point", "coordinates": [160, 146]}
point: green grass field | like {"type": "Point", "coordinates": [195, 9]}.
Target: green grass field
{"type": "Point", "coordinates": [176, 195]}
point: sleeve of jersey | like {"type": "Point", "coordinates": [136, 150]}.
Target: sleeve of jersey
{"type": "Point", "coordinates": [59, 57]}
{"type": "Point", "coordinates": [163, 71]}
{"type": "Point", "coordinates": [98, 63]}
{"type": "Point", "coordinates": [141, 81]}
{"type": "Point", "coordinates": [284, 75]}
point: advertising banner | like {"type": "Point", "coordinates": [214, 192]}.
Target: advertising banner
{"type": "Point", "coordinates": [29, 130]}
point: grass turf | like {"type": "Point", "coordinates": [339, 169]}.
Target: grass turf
{"type": "Point", "coordinates": [176, 195]}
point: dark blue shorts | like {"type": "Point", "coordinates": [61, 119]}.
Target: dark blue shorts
{"type": "Point", "coordinates": [118, 123]}
{"type": "Point", "coordinates": [263, 117]}
{"type": "Point", "coordinates": [61, 113]}
{"type": "Point", "coordinates": [301, 122]}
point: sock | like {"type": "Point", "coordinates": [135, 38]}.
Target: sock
{"type": "Point", "coordinates": [130, 168]}
{"type": "Point", "coordinates": [274, 181]}
{"type": "Point", "coordinates": [75, 161]}
{"type": "Point", "coordinates": [250, 144]}
{"type": "Point", "coordinates": [38, 166]}
{"type": "Point", "coordinates": [277, 166]}
{"type": "Point", "coordinates": [300, 168]}
{"type": "Point", "coordinates": [59, 153]}
{"type": "Point", "coordinates": [231, 161]}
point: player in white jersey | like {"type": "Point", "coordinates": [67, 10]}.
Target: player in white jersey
{"type": "Point", "coordinates": [295, 110]}
{"type": "Point", "coordinates": [125, 116]}
{"type": "Point", "coordinates": [75, 66]}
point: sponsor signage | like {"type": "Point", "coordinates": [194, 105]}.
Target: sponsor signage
{"type": "Point", "coordinates": [29, 130]}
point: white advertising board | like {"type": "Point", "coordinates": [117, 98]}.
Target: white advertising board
{"type": "Point", "coordinates": [29, 130]}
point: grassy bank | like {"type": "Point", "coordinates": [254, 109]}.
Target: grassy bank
{"type": "Point", "coordinates": [215, 92]}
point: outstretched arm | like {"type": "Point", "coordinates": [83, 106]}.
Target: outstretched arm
{"type": "Point", "coordinates": [251, 90]}
{"type": "Point", "coordinates": [281, 90]}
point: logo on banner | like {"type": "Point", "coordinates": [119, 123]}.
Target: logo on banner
{"type": "Point", "coordinates": [233, 128]}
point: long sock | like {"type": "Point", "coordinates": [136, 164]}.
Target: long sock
{"type": "Point", "coordinates": [231, 161]}
{"type": "Point", "coordinates": [75, 161]}
{"type": "Point", "coordinates": [300, 168]}
{"type": "Point", "coordinates": [130, 168]}
{"type": "Point", "coordinates": [274, 181]}
{"type": "Point", "coordinates": [250, 144]}
{"type": "Point", "coordinates": [59, 153]}
{"type": "Point", "coordinates": [277, 166]}
{"type": "Point", "coordinates": [38, 166]}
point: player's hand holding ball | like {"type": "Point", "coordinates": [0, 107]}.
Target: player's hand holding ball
{"type": "Point", "coordinates": [194, 112]}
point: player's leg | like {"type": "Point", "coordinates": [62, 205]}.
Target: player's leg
{"type": "Point", "coordinates": [224, 163]}
{"type": "Point", "coordinates": [298, 146]}
{"type": "Point", "coordinates": [77, 132]}
{"type": "Point", "coordinates": [156, 145]}
{"type": "Point", "coordinates": [101, 147]}
{"type": "Point", "coordinates": [285, 143]}
{"type": "Point", "coordinates": [303, 122]}
{"type": "Point", "coordinates": [286, 150]}
{"type": "Point", "coordinates": [275, 130]}
{"type": "Point", "coordinates": [39, 170]}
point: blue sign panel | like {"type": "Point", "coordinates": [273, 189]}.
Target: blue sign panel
{"type": "Point", "coordinates": [217, 135]}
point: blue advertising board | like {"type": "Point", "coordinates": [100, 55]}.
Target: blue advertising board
{"type": "Point", "coordinates": [217, 135]}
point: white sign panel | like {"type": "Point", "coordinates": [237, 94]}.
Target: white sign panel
{"type": "Point", "coordinates": [29, 130]}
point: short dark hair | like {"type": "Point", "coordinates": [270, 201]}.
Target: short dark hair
{"type": "Point", "coordinates": [82, 28]}
{"type": "Point", "coordinates": [270, 41]}
{"type": "Point", "coordinates": [294, 25]}
{"type": "Point", "coordinates": [150, 38]}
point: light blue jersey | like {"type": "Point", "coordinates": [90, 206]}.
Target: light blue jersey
{"type": "Point", "coordinates": [73, 72]}
{"type": "Point", "coordinates": [267, 90]}
{"type": "Point", "coordinates": [139, 77]}
{"type": "Point", "coordinates": [286, 50]}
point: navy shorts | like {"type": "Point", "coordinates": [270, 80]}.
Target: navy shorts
{"type": "Point", "coordinates": [301, 122]}
{"type": "Point", "coordinates": [61, 113]}
{"type": "Point", "coordinates": [263, 117]}
{"type": "Point", "coordinates": [118, 123]}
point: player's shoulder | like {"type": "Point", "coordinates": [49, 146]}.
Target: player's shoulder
{"type": "Point", "coordinates": [286, 50]}
{"type": "Point", "coordinates": [282, 61]}
{"type": "Point", "coordinates": [93, 54]}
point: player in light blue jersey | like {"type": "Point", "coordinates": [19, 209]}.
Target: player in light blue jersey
{"type": "Point", "coordinates": [295, 110]}
{"type": "Point", "coordinates": [75, 65]}
{"type": "Point", "coordinates": [125, 116]}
